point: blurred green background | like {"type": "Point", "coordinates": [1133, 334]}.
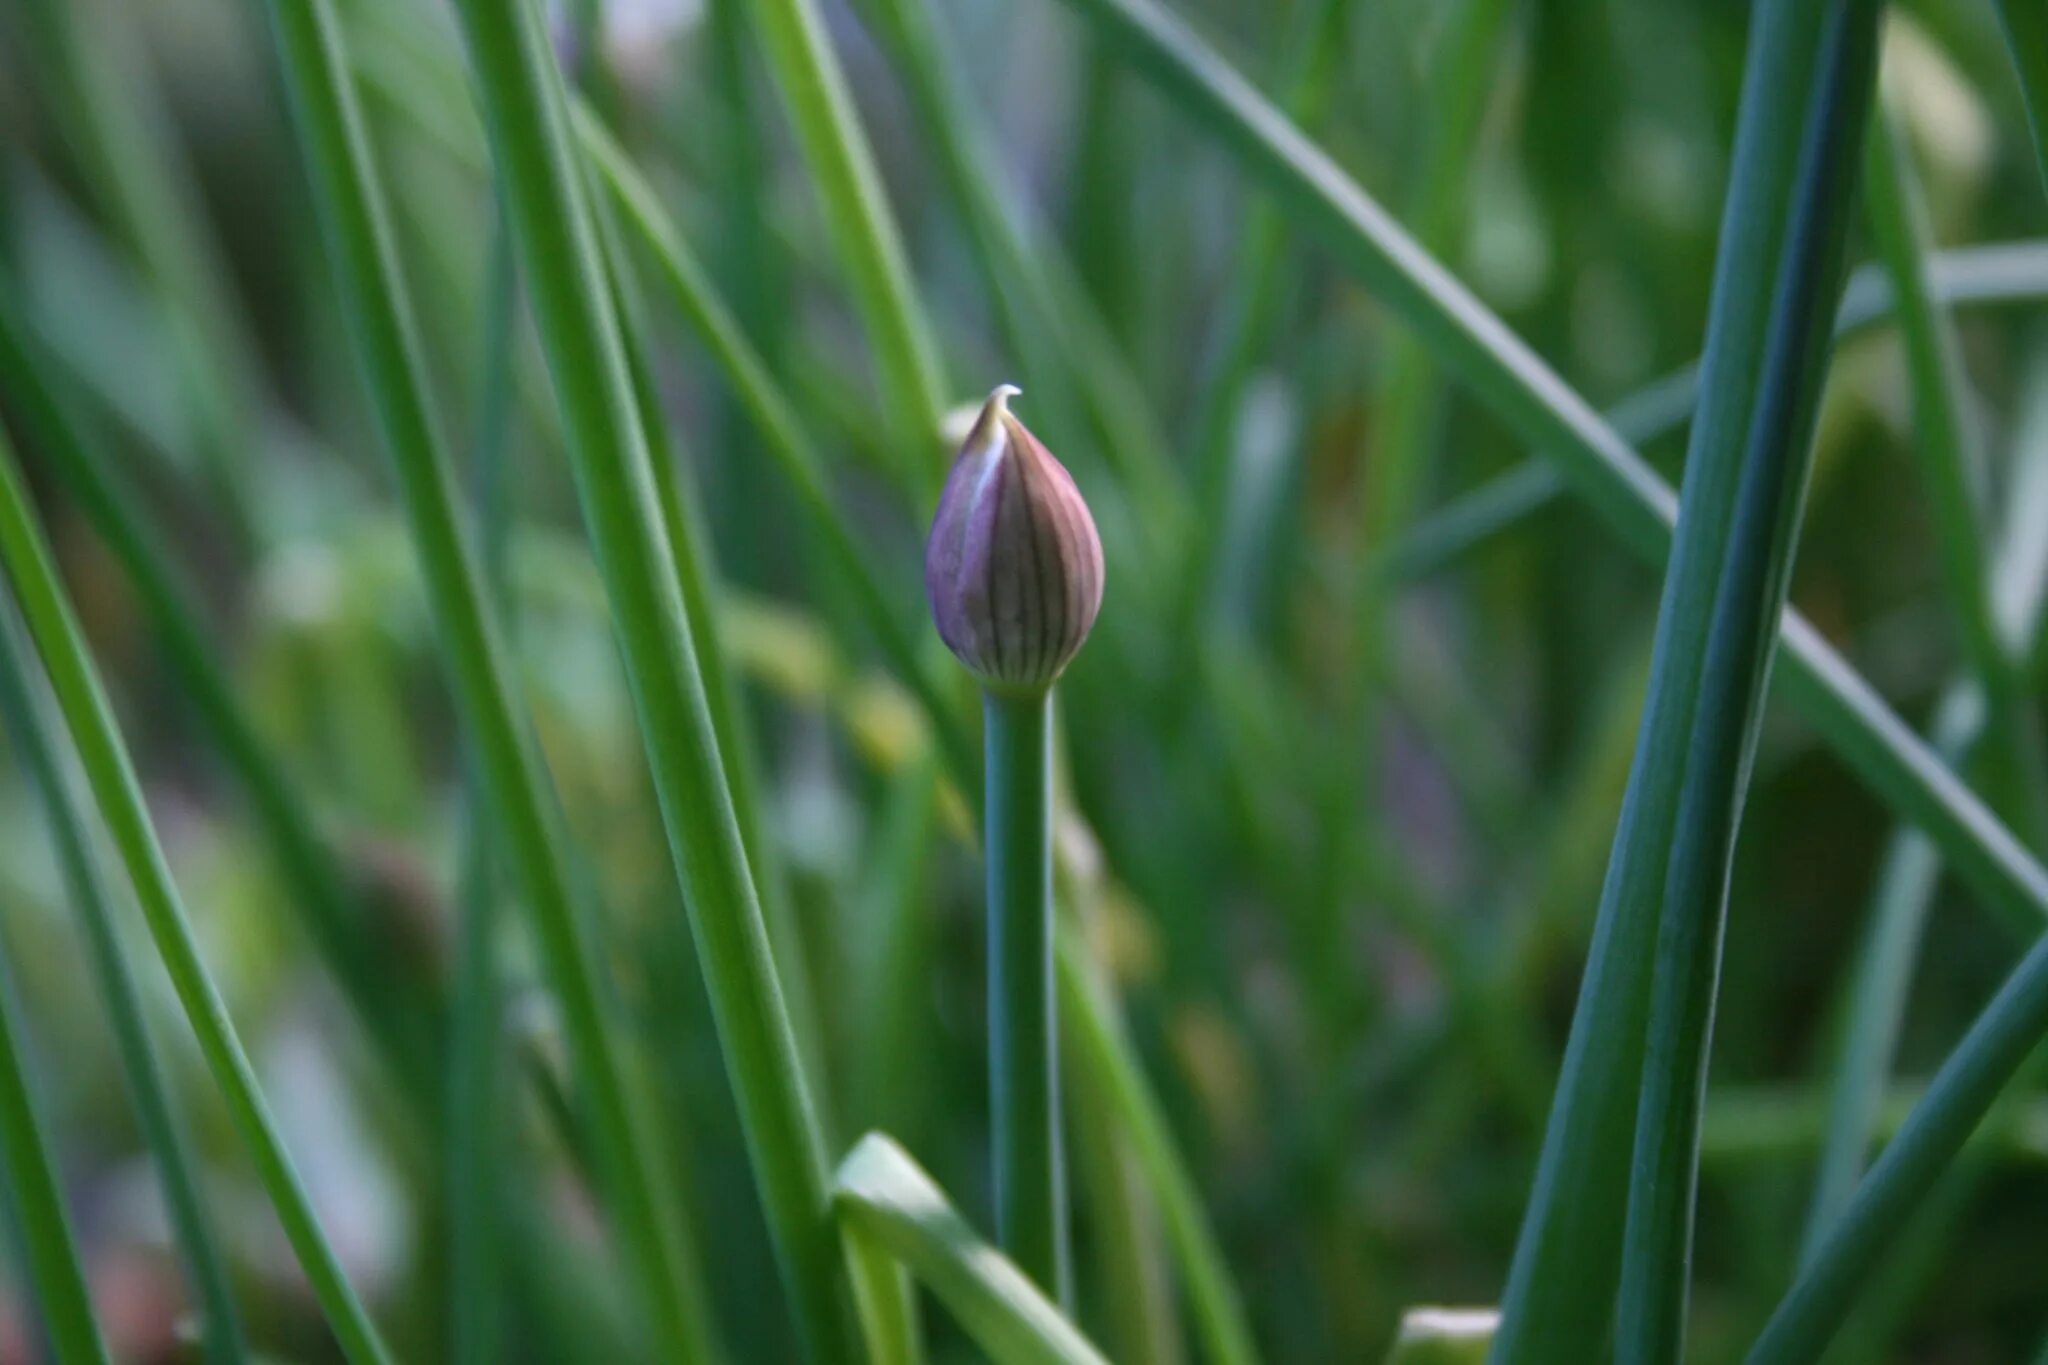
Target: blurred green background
{"type": "Point", "coordinates": [1342, 784]}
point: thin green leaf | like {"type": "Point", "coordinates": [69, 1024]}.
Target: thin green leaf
{"type": "Point", "coordinates": [885, 1197]}
{"type": "Point", "coordinates": [2026, 36]}
{"type": "Point", "coordinates": [1101, 1051]}
{"type": "Point", "coordinates": [1998, 274]}
{"type": "Point", "coordinates": [30, 726]}
{"type": "Point", "coordinates": [526, 113]}
{"type": "Point", "coordinates": [359, 240]}
{"type": "Point", "coordinates": [119, 797]}
{"type": "Point", "coordinates": [1754, 573]}
{"type": "Point", "coordinates": [1963, 1091]}
{"type": "Point", "coordinates": [1952, 466]}
{"type": "Point", "coordinates": [827, 127]}
{"type": "Point", "coordinates": [318, 884]}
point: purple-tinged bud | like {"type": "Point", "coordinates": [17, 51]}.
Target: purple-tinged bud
{"type": "Point", "coordinates": [1013, 566]}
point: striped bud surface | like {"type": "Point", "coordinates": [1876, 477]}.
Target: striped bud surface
{"type": "Point", "coordinates": [1013, 566]}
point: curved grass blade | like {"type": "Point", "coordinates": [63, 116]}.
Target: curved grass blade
{"type": "Point", "coordinates": [359, 241]}
{"type": "Point", "coordinates": [1103, 1055]}
{"type": "Point", "coordinates": [2008, 1030]}
{"type": "Point", "coordinates": [119, 797]}
{"type": "Point", "coordinates": [1952, 467]}
{"type": "Point", "coordinates": [527, 115]}
{"type": "Point", "coordinates": [112, 116]}
{"type": "Point", "coordinates": [886, 1198]}
{"type": "Point", "coordinates": [1560, 1287]}
{"type": "Point", "coordinates": [1997, 274]}
{"type": "Point", "coordinates": [1509, 378]}
{"type": "Point", "coordinates": [308, 865]}
{"type": "Point", "coordinates": [2026, 37]}
{"type": "Point", "coordinates": [62, 1301]}
{"type": "Point", "coordinates": [29, 726]}
{"type": "Point", "coordinates": [1755, 571]}
{"type": "Point", "coordinates": [475, 1088]}
{"type": "Point", "coordinates": [827, 127]}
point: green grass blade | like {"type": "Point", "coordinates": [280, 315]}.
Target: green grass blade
{"type": "Point", "coordinates": [62, 1301]}
{"type": "Point", "coordinates": [1656, 1259]}
{"type": "Point", "coordinates": [1508, 377]}
{"type": "Point", "coordinates": [1963, 1091]}
{"type": "Point", "coordinates": [29, 726]}
{"type": "Point", "coordinates": [114, 119]}
{"type": "Point", "coordinates": [1998, 274]}
{"type": "Point", "coordinates": [690, 291]}
{"type": "Point", "coordinates": [119, 797]}
{"type": "Point", "coordinates": [359, 241]}
{"type": "Point", "coordinates": [886, 1197]}
{"type": "Point", "coordinates": [526, 113]}
{"type": "Point", "coordinates": [1103, 1055]}
{"type": "Point", "coordinates": [1952, 468]}
{"type": "Point", "coordinates": [2026, 36]}
{"type": "Point", "coordinates": [475, 1087]}
{"type": "Point", "coordinates": [827, 126]}
{"type": "Point", "coordinates": [308, 865]}
{"type": "Point", "coordinates": [1560, 1287]}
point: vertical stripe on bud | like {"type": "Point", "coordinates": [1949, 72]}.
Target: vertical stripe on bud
{"type": "Point", "coordinates": [1013, 566]}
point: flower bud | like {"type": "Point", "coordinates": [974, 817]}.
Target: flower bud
{"type": "Point", "coordinates": [1013, 566]}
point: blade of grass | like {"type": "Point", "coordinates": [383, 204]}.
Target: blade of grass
{"type": "Point", "coordinates": [1952, 467]}
{"type": "Point", "coordinates": [308, 865]}
{"type": "Point", "coordinates": [698, 586]}
{"type": "Point", "coordinates": [2026, 37]}
{"type": "Point", "coordinates": [526, 113]}
{"type": "Point", "coordinates": [62, 1301]}
{"type": "Point", "coordinates": [1756, 567]}
{"type": "Point", "coordinates": [691, 293]}
{"type": "Point", "coordinates": [119, 797]}
{"type": "Point", "coordinates": [1104, 1058]}
{"type": "Point", "coordinates": [885, 1197]}
{"type": "Point", "coordinates": [1510, 379]}
{"type": "Point", "coordinates": [1999, 274]}
{"type": "Point", "coordinates": [29, 725]}
{"type": "Point", "coordinates": [475, 1087]}
{"type": "Point", "coordinates": [358, 235]}
{"type": "Point", "coordinates": [1560, 1287]}
{"type": "Point", "coordinates": [111, 115]}
{"type": "Point", "coordinates": [842, 165]}
{"type": "Point", "coordinates": [1042, 323]}
{"type": "Point", "coordinates": [2004, 1034]}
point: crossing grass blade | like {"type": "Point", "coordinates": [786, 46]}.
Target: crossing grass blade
{"type": "Point", "coordinates": [1755, 570]}
{"type": "Point", "coordinates": [2026, 36]}
{"type": "Point", "coordinates": [2001, 274]}
{"type": "Point", "coordinates": [31, 728]}
{"type": "Point", "coordinates": [358, 236]}
{"type": "Point", "coordinates": [1952, 465]}
{"type": "Point", "coordinates": [885, 1197]}
{"type": "Point", "coordinates": [2004, 1034]}
{"type": "Point", "coordinates": [820, 105]}
{"type": "Point", "coordinates": [1474, 346]}
{"type": "Point", "coordinates": [118, 795]}
{"type": "Point", "coordinates": [527, 116]}
{"type": "Point", "coordinates": [305, 861]}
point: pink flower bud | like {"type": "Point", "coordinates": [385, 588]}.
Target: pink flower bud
{"type": "Point", "coordinates": [1013, 566]}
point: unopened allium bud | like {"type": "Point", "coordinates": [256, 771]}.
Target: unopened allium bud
{"type": "Point", "coordinates": [1013, 566]}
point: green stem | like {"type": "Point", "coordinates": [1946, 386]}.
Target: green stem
{"type": "Point", "coordinates": [350, 198]}
{"type": "Point", "coordinates": [1030, 1173]}
{"type": "Point", "coordinates": [119, 796]}
{"type": "Point", "coordinates": [528, 121]}
{"type": "Point", "coordinates": [2026, 34]}
{"type": "Point", "coordinates": [28, 726]}
{"type": "Point", "coordinates": [61, 1298]}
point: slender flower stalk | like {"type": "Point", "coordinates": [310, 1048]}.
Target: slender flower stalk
{"type": "Point", "coordinates": [1014, 571]}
